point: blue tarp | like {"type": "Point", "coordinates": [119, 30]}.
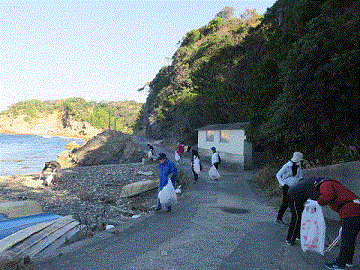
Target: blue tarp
{"type": "Point", "coordinates": [10, 226]}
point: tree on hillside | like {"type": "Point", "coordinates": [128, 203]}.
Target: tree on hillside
{"type": "Point", "coordinates": [293, 74]}
{"type": "Point", "coordinates": [306, 76]}
{"type": "Point", "coordinates": [248, 14]}
{"type": "Point", "coordinates": [226, 13]}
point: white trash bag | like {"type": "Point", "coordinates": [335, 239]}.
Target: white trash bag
{"type": "Point", "coordinates": [177, 156]}
{"type": "Point", "coordinates": [167, 195]}
{"type": "Point", "coordinates": [213, 173]}
{"type": "Point", "coordinates": [313, 228]}
{"type": "Point", "coordinates": [150, 154]}
{"type": "Point", "coordinates": [178, 189]}
{"type": "Point", "coordinates": [196, 165]}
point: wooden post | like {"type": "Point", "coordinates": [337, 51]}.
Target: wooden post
{"type": "Point", "coordinates": [109, 128]}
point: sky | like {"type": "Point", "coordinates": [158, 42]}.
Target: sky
{"type": "Point", "coordinates": [97, 50]}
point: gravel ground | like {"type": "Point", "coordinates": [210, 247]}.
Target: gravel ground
{"type": "Point", "coordinates": [89, 193]}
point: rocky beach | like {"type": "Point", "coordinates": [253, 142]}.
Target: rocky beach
{"type": "Point", "coordinates": [89, 193]}
{"type": "Point", "coordinates": [92, 193]}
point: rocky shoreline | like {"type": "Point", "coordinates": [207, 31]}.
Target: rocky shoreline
{"type": "Point", "coordinates": [91, 194]}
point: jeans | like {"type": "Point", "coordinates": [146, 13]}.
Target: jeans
{"type": "Point", "coordinates": [296, 209]}
{"type": "Point", "coordinates": [284, 204]}
{"type": "Point", "coordinates": [196, 176]}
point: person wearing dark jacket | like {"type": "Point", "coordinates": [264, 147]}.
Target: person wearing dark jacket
{"type": "Point", "coordinates": [297, 196]}
{"type": "Point", "coordinates": [346, 203]}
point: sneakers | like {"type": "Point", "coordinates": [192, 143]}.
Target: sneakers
{"type": "Point", "coordinates": [280, 222]}
{"type": "Point", "coordinates": [334, 266]}
{"type": "Point", "coordinates": [168, 209]}
{"type": "Point", "coordinates": [350, 265]}
{"type": "Point", "coordinates": [289, 243]}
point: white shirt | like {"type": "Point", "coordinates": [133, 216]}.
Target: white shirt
{"type": "Point", "coordinates": [214, 158]}
{"type": "Point", "coordinates": [285, 175]}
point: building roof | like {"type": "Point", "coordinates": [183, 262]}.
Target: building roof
{"type": "Point", "coordinates": [233, 126]}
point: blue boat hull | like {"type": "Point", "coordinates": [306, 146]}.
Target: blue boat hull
{"type": "Point", "coordinates": [10, 226]}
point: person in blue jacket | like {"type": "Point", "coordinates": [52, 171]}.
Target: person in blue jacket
{"type": "Point", "coordinates": [166, 169]}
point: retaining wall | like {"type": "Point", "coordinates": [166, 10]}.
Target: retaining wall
{"type": "Point", "coordinates": [347, 173]}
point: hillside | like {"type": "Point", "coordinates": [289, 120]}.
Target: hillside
{"type": "Point", "coordinates": [72, 117]}
{"type": "Point", "coordinates": [292, 73]}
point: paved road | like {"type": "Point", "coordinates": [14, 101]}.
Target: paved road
{"type": "Point", "coordinates": [216, 225]}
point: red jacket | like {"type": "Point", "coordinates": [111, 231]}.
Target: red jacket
{"type": "Point", "coordinates": [180, 149]}
{"type": "Point", "coordinates": [339, 198]}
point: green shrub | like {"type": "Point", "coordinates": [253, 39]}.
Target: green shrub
{"type": "Point", "coordinates": [266, 180]}
{"type": "Point", "coordinates": [213, 25]}
{"type": "Point", "coordinates": [191, 37]}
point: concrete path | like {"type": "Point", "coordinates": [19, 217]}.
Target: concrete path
{"type": "Point", "coordinates": [216, 225]}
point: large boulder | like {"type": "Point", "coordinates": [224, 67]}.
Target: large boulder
{"type": "Point", "coordinates": [108, 147]}
{"type": "Point", "coordinates": [136, 188]}
{"type": "Point", "coordinates": [65, 160]}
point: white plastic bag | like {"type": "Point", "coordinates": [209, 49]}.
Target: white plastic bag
{"type": "Point", "coordinates": [167, 195]}
{"type": "Point", "coordinates": [196, 165]}
{"type": "Point", "coordinates": [177, 156]}
{"type": "Point", "coordinates": [313, 228]}
{"type": "Point", "coordinates": [213, 173]}
{"type": "Point", "coordinates": [50, 179]}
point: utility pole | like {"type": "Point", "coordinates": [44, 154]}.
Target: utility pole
{"type": "Point", "coordinates": [109, 128]}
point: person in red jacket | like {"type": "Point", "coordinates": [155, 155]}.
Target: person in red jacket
{"type": "Point", "coordinates": [180, 149]}
{"type": "Point", "coordinates": [346, 203]}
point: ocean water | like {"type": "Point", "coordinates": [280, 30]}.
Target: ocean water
{"type": "Point", "coordinates": [22, 154]}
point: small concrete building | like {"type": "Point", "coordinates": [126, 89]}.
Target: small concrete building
{"type": "Point", "coordinates": [229, 141]}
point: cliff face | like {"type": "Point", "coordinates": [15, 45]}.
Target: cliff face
{"type": "Point", "coordinates": [47, 124]}
{"type": "Point", "coordinates": [108, 147]}
{"type": "Point", "coordinates": [73, 117]}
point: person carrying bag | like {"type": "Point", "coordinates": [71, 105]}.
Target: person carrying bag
{"type": "Point", "coordinates": [167, 175]}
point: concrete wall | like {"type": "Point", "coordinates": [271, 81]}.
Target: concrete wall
{"type": "Point", "coordinates": [237, 153]}
{"type": "Point", "coordinates": [228, 160]}
{"type": "Point", "coordinates": [347, 173]}
{"type": "Point", "coordinates": [234, 146]}
{"type": "Point", "coordinates": [248, 159]}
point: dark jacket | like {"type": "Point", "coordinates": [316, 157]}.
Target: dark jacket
{"type": "Point", "coordinates": [303, 190]}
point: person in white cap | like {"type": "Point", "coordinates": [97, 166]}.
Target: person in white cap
{"type": "Point", "coordinates": [288, 176]}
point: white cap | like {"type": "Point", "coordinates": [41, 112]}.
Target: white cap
{"type": "Point", "coordinates": [297, 157]}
